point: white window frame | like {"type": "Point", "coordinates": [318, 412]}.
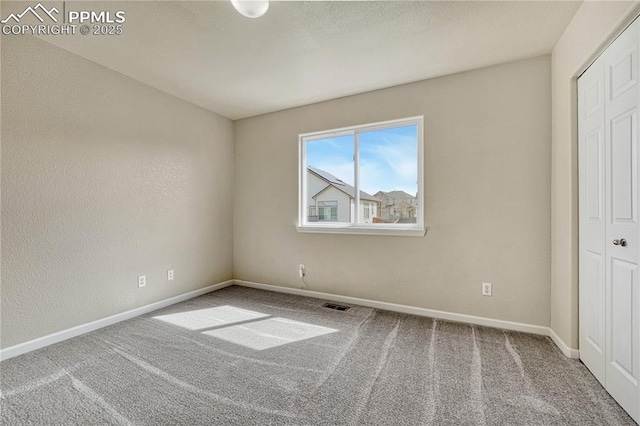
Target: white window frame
{"type": "Point", "coordinates": [414, 230]}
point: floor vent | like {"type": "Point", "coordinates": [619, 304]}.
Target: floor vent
{"type": "Point", "coordinates": [336, 307]}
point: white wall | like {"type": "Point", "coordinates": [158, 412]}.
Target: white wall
{"type": "Point", "coordinates": [487, 190]}
{"type": "Point", "coordinates": [103, 179]}
{"type": "Point", "coordinates": [592, 27]}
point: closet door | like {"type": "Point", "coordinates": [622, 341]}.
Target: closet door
{"type": "Point", "coordinates": [591, 136]}
{"type": "Point", "coordinates": [622, 94]}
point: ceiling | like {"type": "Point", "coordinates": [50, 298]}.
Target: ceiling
{"type": "Point", "coordinates": [305, 52]}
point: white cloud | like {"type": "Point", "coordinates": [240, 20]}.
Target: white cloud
{"type": "Point", "coordinates": [386, 163]}
{"type": "Point", "coordinates": [389, 165]}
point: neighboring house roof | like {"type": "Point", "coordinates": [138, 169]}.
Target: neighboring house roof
{"type": "Point", "coordinates": [400, 195]}
{"type": "Point", "coordinates": [326, 176]}
{"type": "Point", "coordinates": [392, 196]}
{"type": "Point", "coordinates": [339, 184]}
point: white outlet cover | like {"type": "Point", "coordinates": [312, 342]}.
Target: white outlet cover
{"type": "Point", "coordinates": [142, 281]}
{"type": "Point", "coordinates": [486, 289]}
{"type": "Point", "coordinates": [170, 275]}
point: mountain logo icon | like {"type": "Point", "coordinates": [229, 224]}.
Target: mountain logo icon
{"type": "Point", "coordinates": [34, 11]}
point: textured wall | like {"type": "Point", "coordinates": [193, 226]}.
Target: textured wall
{"type": "Point", "coordinates": [593, 25]}
{"type": "Point", "coordinates": [487, 191]}
{"type": "Point", "coordinates": [103, 179]}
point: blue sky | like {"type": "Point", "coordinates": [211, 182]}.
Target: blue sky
{"type": "Point", "coordinates": [388, 159]}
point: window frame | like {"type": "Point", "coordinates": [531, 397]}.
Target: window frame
{"type": "Point", "coordinates": [416, 230]}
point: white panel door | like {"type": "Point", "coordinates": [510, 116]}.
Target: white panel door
{"type": "Point", "coordinates": [591, 136]}
{"type": "Point", "coordinates": [622, 97]}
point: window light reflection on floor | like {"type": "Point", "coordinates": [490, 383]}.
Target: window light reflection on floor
{"type": "Point", "coordinates": [250, 329]}
{"type": "Point", "coordinates": [268, 333]}
{"type": "Point", "coordinates": [211, 317]}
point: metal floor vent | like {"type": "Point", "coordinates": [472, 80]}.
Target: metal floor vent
{"type": "Point", "coordinates": [336, 307]}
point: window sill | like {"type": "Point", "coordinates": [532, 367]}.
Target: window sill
{"type": "Point", "coordinates": [363, 230]}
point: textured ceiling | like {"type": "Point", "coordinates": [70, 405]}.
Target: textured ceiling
{"type": "Point", "coordinates": [305, 52]}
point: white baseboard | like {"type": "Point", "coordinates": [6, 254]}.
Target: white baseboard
{"type": "Point", "coordinates": [470, 319]}
{"type": "Point", "coordinates": [451, 316]}
{"type": "Point", "coordinates": [59, 336]}
{"type": "Point", "coordinates": [13, 351]}
{"type": "Point", "coordinates": [566, 350]}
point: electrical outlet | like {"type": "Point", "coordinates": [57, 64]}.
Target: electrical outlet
{"type": "Point", "coordinates": [486, 289]}
{"type": "Point", "coordinates": [142, 281]}
{"type": "Point", "coordinates": [302, 271]}
{"type": "Point", "coordinates": [170, 275]}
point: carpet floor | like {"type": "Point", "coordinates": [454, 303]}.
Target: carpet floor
{"type": "Point", "coordinates": [241, 356]}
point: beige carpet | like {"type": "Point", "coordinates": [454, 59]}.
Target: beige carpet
{"type": "Point", "coordinates": [247, 357]}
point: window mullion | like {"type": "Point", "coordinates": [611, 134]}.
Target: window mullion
{"type": "Point", "coordinates": [356, 180]}
{"type": "Point", "coordinates": [302, 181]}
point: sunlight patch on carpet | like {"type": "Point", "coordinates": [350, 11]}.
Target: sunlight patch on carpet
{"type": "Point", "coordinates": [211, 317]}
{"type": "Point", "coordinates": [269, 333]}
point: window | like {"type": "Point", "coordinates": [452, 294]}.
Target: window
{"type": "Point", "coordinates": [363, 179]}
{"type": "Point", "coordinates": [327, 211]}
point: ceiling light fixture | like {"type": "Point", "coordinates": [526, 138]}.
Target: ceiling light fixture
{"type": "Point", "coordinates": [251, 8]}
